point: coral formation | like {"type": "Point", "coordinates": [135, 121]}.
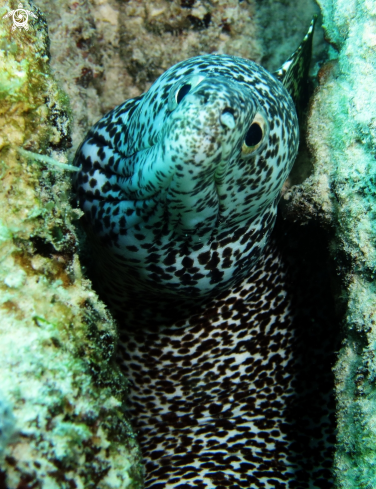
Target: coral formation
{"type": "Point", "coordinates": [62, 422]}
{"type": "Point", "coordinates": [62, 418]}
{"type": "Point", "coordinates": [340, 194]}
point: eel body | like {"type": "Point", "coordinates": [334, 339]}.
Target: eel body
{"type": "Point", "coordinates": [180, 188]}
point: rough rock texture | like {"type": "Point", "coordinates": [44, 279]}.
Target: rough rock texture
{"type": "Point", "coordinates": [340, 193]}
{"type": "Point", "coordinates": [62, 420]}
{"type": "Point", "coordinates": [281, 26]}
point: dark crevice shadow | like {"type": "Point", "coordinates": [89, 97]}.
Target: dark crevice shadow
{"type": "Point", "coordinates": [317, 339]}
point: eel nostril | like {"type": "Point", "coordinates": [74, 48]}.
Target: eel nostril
{"type": "Point", "coordinates": [227, 118]}
{"type": "Point", "coordinates": [204, 99]}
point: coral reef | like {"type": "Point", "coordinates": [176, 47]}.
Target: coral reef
{"type": "Point", "coordinates": [62, 418]}
{"type": "Point", "coordinates": [340, 194]}
{"type": "Point", "coordinates": [62, 422]}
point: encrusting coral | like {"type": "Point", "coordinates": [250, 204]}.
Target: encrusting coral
{"type": "Point", "coordinates": [62, 420]}
{"type": "Point", "coordinates": [340, 194]}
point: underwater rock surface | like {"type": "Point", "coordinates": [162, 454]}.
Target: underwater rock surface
{"type": "Point", "coordinates": [66, 391]}
{"type": "Point", "coordinates": [62, 420]}
{"type": "Point", "coordinates": [340, 194]}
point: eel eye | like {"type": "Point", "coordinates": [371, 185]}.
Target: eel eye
{"type": "Point", "coordinates": [181, 88]}
{"type": "Point", "coordinates": [182, 92]}
{"type": "Point", "coordinates": [255, 136]}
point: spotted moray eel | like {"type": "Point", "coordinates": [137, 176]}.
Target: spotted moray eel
{"type": "Point", "coordinates": [180, 188]}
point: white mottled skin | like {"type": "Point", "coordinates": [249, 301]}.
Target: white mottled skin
{"type": "Point", "coordinates": [180, 190]}
{"type": "Point", "coordinates": [179, 177]}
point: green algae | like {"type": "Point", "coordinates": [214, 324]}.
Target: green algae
{"type": "Point", "coordinates": [62, 416]}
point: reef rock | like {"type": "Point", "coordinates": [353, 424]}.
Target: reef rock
{"type": "Point", "coordinates": [62, 419]}
{"type": "Point", "coordinates": [340, 194]}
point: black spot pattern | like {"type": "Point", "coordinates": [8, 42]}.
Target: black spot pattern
{"type": "Point", "coordinates": [179, 216]}
{"type": "Point", "coordinates": [216, 402]}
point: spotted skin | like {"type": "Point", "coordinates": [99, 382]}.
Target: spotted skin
{"type": "Point", "coordinates": [217, 391]}
{"type": "Point", "coordinates": [171, 195]}
{"type": "Point", "coordinates": [180, 190]}
{"type": "Point", "coordinates": [216, 401]}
